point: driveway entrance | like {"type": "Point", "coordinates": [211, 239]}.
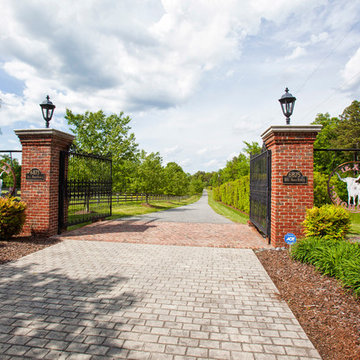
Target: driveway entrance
{"type": "Point", "coordinates": [102, 300]}
{"type": "Point", "coordinates": [122, 298]}
{"type": "Point", "coordinates": [192, 225]}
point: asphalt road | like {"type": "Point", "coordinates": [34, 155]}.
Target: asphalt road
{"type": "Point", "coordinates": [199, 212]}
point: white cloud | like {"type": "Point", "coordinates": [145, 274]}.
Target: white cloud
{"type": "Point", "coordinates": [171, 150]}
{"type": "Point", "coordinates": [197, 77]}
{"type": "Point", "coordinates": [212, 163]}
{"type": "Point", "coordinates": [297, 52]}
{"type": "Point", "coordinates": [202, 151]}
{"type": "Point", "coordinates": [185, 162]}
{"type": "Point", "coordinates": [351, 72]}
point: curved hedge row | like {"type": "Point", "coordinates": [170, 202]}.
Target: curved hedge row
{"type": "Point", "coordinates": [234, 193]}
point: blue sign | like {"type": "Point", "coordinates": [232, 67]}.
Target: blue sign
{"type": "Point", "coordinates": [290, 238]}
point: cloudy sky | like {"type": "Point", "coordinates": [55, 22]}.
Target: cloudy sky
{"type": "Point", "coordinates": [197, 77]}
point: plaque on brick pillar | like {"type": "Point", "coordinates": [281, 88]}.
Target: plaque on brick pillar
{"type": "Point", "coordinates": [35, 175]}
{"type": "Point", "coordinates": [295, 177]}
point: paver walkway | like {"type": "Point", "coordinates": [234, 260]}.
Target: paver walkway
{"type": "Point", "coordinates": [102, 300]}
{"type": "Point", "coordinates": [123, 299]}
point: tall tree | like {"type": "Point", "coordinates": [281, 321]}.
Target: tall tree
{"type": "Point", "coordinates": [106, 135]}
{"type": "Point", "coordinates": [337, 132]}
{"type": "Point", "coordinates": [325, 161]}
{"type": "Point", "coordinates": [196, 186]}
{"type": "Point", "coordinates": [149, 175]}
{"type": "Point", "coordinates": [252, 148]}
{"type": "Point", "coordinates": [176, 181]}
{"type": "Point", "coordinates": [348, 132]}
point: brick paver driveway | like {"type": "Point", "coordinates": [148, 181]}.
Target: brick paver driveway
{"type": "Point", "coordinates": [192, 225]}
{"type": "Point", "coordinates": [112, 300]}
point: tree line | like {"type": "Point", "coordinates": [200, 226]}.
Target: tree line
{"type": "Point", "coordinates": [234, 169]}
{"type": "Point", "coordinates": [133, 170]}
{"type": "Point", "coordinates": [136, 171]}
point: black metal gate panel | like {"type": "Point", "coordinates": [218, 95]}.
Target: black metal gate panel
{"type": "Point", "coordinates": [260, 191]}
{"type": "Point", "coordinates": [85, 188]}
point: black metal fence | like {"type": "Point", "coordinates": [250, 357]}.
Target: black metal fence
{"type": "Point", "coordinates": [260, 191]}
{"type": "Point", "coordinates": [85, 188]}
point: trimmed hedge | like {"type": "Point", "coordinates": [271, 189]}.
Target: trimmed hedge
{"type": "Point", "coordinates": [235, 193]}
{"type": "Point", "coordinates": [12, 217]}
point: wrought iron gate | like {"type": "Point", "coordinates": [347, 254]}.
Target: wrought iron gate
{"type": "Point", "coordinates": [260, 191]}
{"type": "Point", "coordinates": [85, 188]}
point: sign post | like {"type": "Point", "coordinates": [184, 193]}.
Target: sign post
{"type": "Point", "coordinates": [290, 239]}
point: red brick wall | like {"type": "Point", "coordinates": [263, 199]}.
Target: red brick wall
{"type": "Point", "coordinates": [41, 149]}
{"type": "Point", "coordinates": [291, 150]}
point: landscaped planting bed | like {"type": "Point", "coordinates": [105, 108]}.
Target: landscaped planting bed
{"type": "Point", "coordinates": [329, 314]}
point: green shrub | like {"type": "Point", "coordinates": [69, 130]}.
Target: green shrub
{"type": "Point", "coordinates": [340, 259]}
{"type": "Point", "coordinates": [12, 217]}
{"type": "Point", "coordinates": [350, 274]}
{"type": "Point", "coordinates": [305, 249]}
{"type": "Point", "coordinates": [329, 222]}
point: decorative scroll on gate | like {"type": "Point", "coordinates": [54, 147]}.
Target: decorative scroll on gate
{"type": "Point", "coordinates": [85, 188]}
{"type": "Point", "coordinates": [260, 191]}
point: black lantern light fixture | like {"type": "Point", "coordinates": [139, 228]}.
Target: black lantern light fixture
{"type": "Point", "coordinates": [287, 102]}
{"type": "Point", "coordinates": [47, 108]}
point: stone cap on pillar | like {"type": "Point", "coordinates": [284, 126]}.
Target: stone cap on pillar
{"type": "Point", "coordinates": [31, 134]}
{"type": "Point", "coordinates": [291, 131]}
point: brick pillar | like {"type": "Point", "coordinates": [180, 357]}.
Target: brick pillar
{"type": "Point", "coordinates": [291, 149]}
{"type": "Point", "coordinates": [40, 178]}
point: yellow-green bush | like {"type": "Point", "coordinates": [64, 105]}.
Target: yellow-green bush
{"type": "Point", "coordinates": [328, 222]}
{"type": "Point", "coordinates": [12, 217]}
{"type": "Point", "coordinates": [234, 193]}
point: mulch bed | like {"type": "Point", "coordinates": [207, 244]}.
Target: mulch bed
{"type": "Point", "coordinates": [18, 247]}
{"type": "Point", "coordinates": [329, 314]}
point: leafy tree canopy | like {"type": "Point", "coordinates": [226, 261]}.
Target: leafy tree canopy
{"type": "Point", "coordinates": [348, 132]}
{"type": "Point", "coordinates": [149, 174]}
{"type": "Point", "coordinates": [341, 132]}
{"type": "Point", "coordinates": [176, 182]}
{"type": "Point", "coordinates": [101, 134]}
{"type": "Point", "coordinates": [107, 135]}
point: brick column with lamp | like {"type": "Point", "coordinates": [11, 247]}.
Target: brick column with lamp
{"type": "Point", "coordinates": [40, 178]}
{"type": "Point", "coordinates": [292, 178]}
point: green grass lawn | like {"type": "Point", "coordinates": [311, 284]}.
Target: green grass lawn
{"type": "Point", "coordinates": [133, 209]}
{"type": "Point", "coordinates": [227, 211]}
{"type": "Point", "coordinates": [140, 209]}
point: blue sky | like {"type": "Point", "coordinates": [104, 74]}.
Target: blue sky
{"type": "Point", "coordinates": [197, 77]}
